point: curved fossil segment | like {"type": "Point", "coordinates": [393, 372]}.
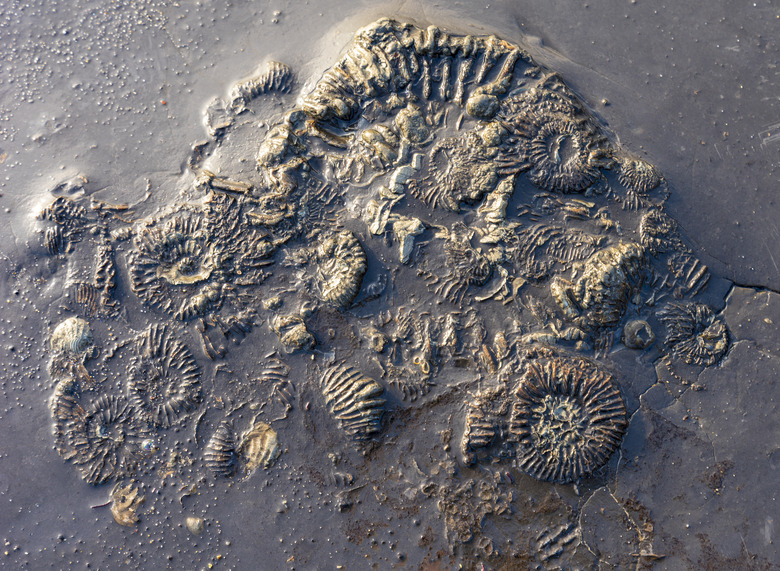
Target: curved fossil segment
{"type": "Point", "coordinates": [467, 265]}
{"type": "Point", "coordinates": [387, 56]}
{"type": "Point", "coordinates": [694, 334]}
{"type": "Point", "coordinates": [103, 437]}
{"type": "Point", "coordinates": [165, 379]}
{"type": "Point", "coordinates": [354, 400]}
{"type": "Point", "coordinates": [175, 265]}
{"type": "Point", "coordinates": [72, 337]}
{"type": "Point", "coordinates": [567, 418]}
{"type": "Point", "coordinates": [600, 296]}
{"type": "Point", "coordinates": [341, 266]}
{"type": "Point", "coordinates": [272, 76]}
{"type": "Point", "coordinates": [484, 421]}
{"type": "Point", "coordinates": [221, 455]}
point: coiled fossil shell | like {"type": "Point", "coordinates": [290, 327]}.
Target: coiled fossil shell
{"type": "Point", "coordinates": [72, 336]}
{"type": "Point", "coordinates": [694, 334]}
{"type": "Point", "coordinates": [354, 400]}
{"type": "Point", "coordinates": [567, 418]}
{"type": "Point", "coordinates": [165, 379]}
{"type": "Point", "coordinates": [341, 267]}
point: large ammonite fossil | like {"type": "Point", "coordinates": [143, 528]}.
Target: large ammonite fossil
{"type": "Point", "coordinates": [567, 418]}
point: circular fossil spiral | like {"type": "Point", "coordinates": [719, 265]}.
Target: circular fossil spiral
{"type": "Point", "coordinates": [165, 380]}
{"type": "Point", "coordinates": [694, 334]}
{"type": "Point", "coordinates": [341, 267]}
{"type": "Point", "coordinates": [173, 264]}
{"type": "Point", "coordinates": [567, 418]}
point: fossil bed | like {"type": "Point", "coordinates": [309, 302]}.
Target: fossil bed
{"type": "Point", "coordinates": [117, 93]}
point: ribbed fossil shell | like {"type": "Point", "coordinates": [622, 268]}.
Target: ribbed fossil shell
{"type": "Point", "coordinates": [72, 336]}
{"type": "Point", "coordinates": [600, 296]}
{"type": "Point", "coordinates": [341, 267]}
{"type": "Point", "coordinates": [103, 437]}
{"type": "Point", "coordinates": [164, 379]}
{"type": "Point", "coordinates": [567, 418]}
{"type": "Point", "coordinates": [173, 261]}
{"type": "Point", "coordinates": [637, 174]}
{"type": "Point", "coordinates": [694, 334]}
{"type": "Point", "coordinates": [354, 400]}
{"type": "Point", "coordinates": [221, 456]}
{"type": "Point", "coordinates": [272, 76]}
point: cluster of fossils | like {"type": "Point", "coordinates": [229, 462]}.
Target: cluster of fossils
{"type": "Point", "coordinates": [422, 157]}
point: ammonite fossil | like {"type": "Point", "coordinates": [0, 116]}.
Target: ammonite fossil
{"type": "Point", "coordinates": [567, 418]}
{"type": "Point", "coordinates": [694, 334]}
{"type": "Point", "coordinates": [600, 296]}
{"type": "Point", "coordinates": [341, 265]}
{"type": "Point", "coordinates": [221, 455]}
{"type": "Point", "coordinates": [164, 380]}
{"type": "Point", "coordinates": [354, 400]}
{"type": "Point", "coordinates": [103, 438]}
{"type": "Point", "coordinates": [173, 264]}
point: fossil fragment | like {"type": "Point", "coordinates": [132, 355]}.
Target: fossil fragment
{"type": "Point", "coordinates": [258, 447]}
{"type": "Point", "coordinates": [637, 175]}
{"type": "Point", "coordinates": [637, 334]}
{"type": "Point", "coordinates": [341, 267]}
{"type": "Point", "coordinates": [694, 334]}
{"type": "Point", "coordinates": [72, 337]}
{"type": "Point", "coordinates": [292, 332]}
{"type": "Point", "coordinates": [195, 524]}
{"type": "Point", "coordinates": [221, 455]}
{"type": "Point", "coordinates": [658, 232]}
{"type": "Point", "coordinates": [164, 380]}
{"type": "Point", "coordinates": [600, 296]}
{"type": "Point", "coordinates": [485, 420]}
{"type": "Point", "coordinates": [567, 418]}
{"type": "Point", "coordinates": [125, 502]}
{"type": "Point", "coordinates": [272, 76]}
{"type": "Point", "coordinates": [354, 400]}
{"type": "Point", "coordinates": [468, 266]}
{"type": "Point", "coordinates": [406, 229]}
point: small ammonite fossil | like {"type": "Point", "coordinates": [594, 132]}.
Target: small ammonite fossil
{"type": "Point", "coordinates": [341, 265]}
{"type": "Point", "coordinates": [174, 265]}
{"type": "Point", "coordinates": [601, 294]}
{"type": "Point", "coordinates": [71, 337]}
{"type": "Point", "coordinates": [693, 333]}
{"type": "Point", "coordinates": [637, 334]}
{"type": "Point", "coordinates": [354, 400]}
{"type": "Point", "coordinates": [104, 438]}
{"type": "Point", "coordinates": [567, 418]}
{"type": "Point", "coordinates": [637, 175]}
{"type": "Point", "coordinates": [164, 380]}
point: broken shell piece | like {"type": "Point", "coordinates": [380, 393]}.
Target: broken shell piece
{"type": "Point", "coordinates": [195, 524]}
{"type": "Point", "coordinates": [406, 229]}
{"type": "Point", "coordinates": [125, 501]}
{"type": "Point", "coordinates": [72, 336]}
{"type": "Point", "coordinates": [259, 447]}
{"type": "Point", "coordinates": [292, 332]}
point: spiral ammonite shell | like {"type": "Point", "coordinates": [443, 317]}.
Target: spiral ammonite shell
{"type": "Point", "coordinates": [567, 418]}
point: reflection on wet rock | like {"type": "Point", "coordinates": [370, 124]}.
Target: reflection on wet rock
{"type": "Point", "coordinates": [694, 334]}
